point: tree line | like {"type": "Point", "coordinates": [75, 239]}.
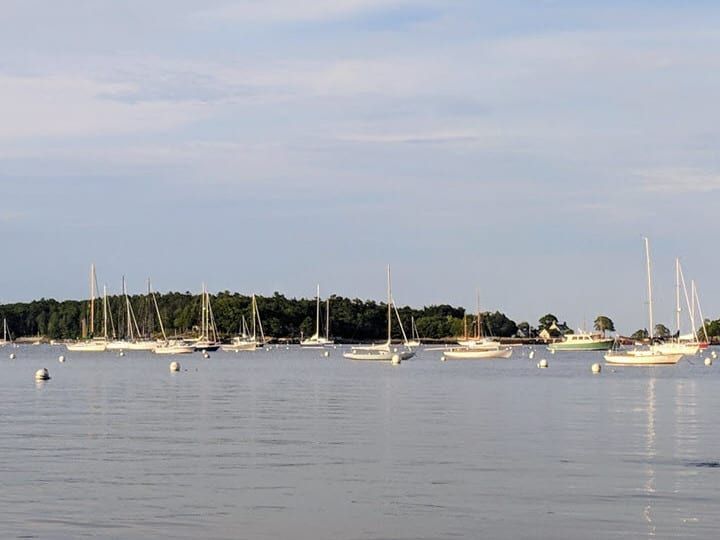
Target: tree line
{"type": "Point", "coordinates": [282, 317]}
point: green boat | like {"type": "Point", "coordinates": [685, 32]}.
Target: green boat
{"type": "Point", "coordinates": [583, 342]}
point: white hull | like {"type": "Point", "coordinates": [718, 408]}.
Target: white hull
{"type": "Point", "coordinates": [319, 342]}
{"type": "Point", "coordinates": [91, 346]}
{"type": "Point", "coordinates": [174, 349]}
{"type": "Point", "coordinates": [479, 344]}
{"type": "Point", "coordinates": [477, 354]}
{"type": "Point", "coordinates": [237, 347]}
{"type": "Point", "coordinates": [413, 343]}
{"type": "Point", "coordinates": [642, 358]}
{"type": "Point", "coordinates": [686, 349]}
{"type": "Point", "coordinates": [377, 355]}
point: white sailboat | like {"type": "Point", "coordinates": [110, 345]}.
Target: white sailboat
{"type": "Point", "coordinates": [478, 347]}
{"type": "Point", "coordinates": [208, 340]}
{"type": "Point", "coordinates": [414, 340]}
{"type": "Point", "coordinates": [479, 342]}
{"type": "Point", "coordinates": [248, 341]}
{"type": "Point", "coordinates": [686, 345]}
{"type": "Point", "coordinates": [168, 346]}
{"type": "Point", "coordinates": [384, 351]}
{"type": "Point", "coordinates": [652, 355]}
{"type": "Point", "coordinates": [132, 340]}
{"type": "Point", "coordinates": [316, 340]}
{"type": "Point", "coordinates": [94, 344]}
{"type": "Point", "coordinates": [6, 335]}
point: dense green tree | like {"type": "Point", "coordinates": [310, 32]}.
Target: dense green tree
{"type": "Point", "coordinates": [604, 324]}
{"type": "Point", "coordinates": [662, 331]}
{"type": "Point", "coordinates": [640, 334]}
{"type": "Point", "coordinates": [546, 321]}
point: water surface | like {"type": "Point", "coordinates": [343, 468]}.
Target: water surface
{"type": "Point", "coordinates": [291, 444]}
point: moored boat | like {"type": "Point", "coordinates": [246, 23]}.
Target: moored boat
{"type": "Point", "coordinates": [583, 341]}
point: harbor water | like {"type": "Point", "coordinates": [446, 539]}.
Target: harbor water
{"type": "Point", "coordinates": [288, 443]}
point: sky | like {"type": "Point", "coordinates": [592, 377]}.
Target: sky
{"type": "Point", "coordinates": [518, 148]}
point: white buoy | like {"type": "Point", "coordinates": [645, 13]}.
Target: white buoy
{"type": "Point", "coordinates": [395, 360]}
{"type": "Point", "coordinates": [708, 361]}
{"type": "Point", "coordinates": [42, 374]}
{"type": "Point", "coordinates": [596, 368]}
{"type": "Point", "coordinates": [713, 354]}
{"type": "Point", "coordinates": [542, 363]}
{"type": "Point", "coordinates": [121, 353]}
{"type": "Point", "coordinates": [61, 358]}
{"type": "Point", "coordinates": [531, 355]}
{"type": "Point", "coordinates": [326, 354]}
{"type": "Point", "coordinates": [174, 366]}
{"type": "Point", "coordinates": [442, 358]}
{"type": "Point", "coordinates": [206, 354]}
{"type": "Point", "coordinates": [552, 351]}
{"type": "Point", "coordinates": [12, 356]}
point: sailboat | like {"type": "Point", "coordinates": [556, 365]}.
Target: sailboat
{"type": "Point", "coordinates": [316, 340]}
{"type": "Point", "coordinates": [6, 334]}
{"type": "Point", "coordinates": [94, 344]}
{"type": "Point", "coordinates": [248, 341]}
{"type": "Point", "coordinates": [168, 346]}
{"type": "Point", "coordinates": [686, 345]}
{"type": "Point", "coordinates": [132, 340]}
{"type": "Point", "coordinates": [208, 340]}
{"type": "Point", "coordinates": [479, 347]}
{"type": "Point", "coordinates": [384, 351]}
{"type": "Point", "coordinates": [414, 340]}
{"type": "Point", "coordinates": [479, 342]}
{"type": "Point", "coordinates": [653, 355]}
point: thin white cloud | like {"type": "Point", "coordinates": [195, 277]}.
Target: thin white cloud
{"type": "Point", "coordinates": [65, 106]}
{"type": "Point", "coordinates": [293, 10]}
{"type": "Point", "coordinates": [679, 181]}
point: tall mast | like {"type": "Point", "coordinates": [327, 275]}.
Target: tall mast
{"type": "Point", "coordinates": [92, 299]}
{"type": "Point", "coordinates": [128, 331]}
{"type": "Point", "coordinates": [317, 312]}
{"type": "Point", "coordinates": [649, 284]}
{"type": "Point", "coordinates": [696, 298]}
{"type": "Point", "coordinates": [479, 333]}
{"type": "Point", "coordinates": [105, 311]}
{"type": "Point", "coordinates": [327, 319]}
{"type": "Point", "coordinates": [677, 297]}
{"type": "Point", "coordinates": [389, 307]}
{"type": "Point", "coordinates": [157, 310]}
{"type": "Point", "coordinates": [254, 322]}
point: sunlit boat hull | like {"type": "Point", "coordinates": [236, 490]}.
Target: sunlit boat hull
{"type": "Point", "coordinates": [473, 354]}
{"type": "Point", "coordinates": [377, 355]}
{"type": "Point", "coordinates": [643, 358]}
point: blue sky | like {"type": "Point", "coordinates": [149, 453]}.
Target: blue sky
{"type": "Point", "coordinates": [522, 148]}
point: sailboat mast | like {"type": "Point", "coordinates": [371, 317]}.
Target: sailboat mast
{"type": "Point", "coordinates": [92, 299]}
{"type": "Point", "coordinates": [696, 298]}
{"type": "Point", "coordinates": [479, 333]}
{"type": "Point", "coordinates": [649, 284]}
{"type": "Point", "coordinates": [254, 321]}
{"type": "Point", "coordinates": [105, 311]}
{"type": "Point", "coordinates": [389, 307]}
{"type": "Point", "coordinates": [317, 312]}
{"type": "Point", "coordinates": [327, 319]}
{"type": "Point", "coordinates": [677, 297]}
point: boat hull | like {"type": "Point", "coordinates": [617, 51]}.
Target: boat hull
{"type": "Point", "coordinates": [599, 345]}
{"type": "Point", "coordinates": [473, 354]}
{"type": "Point", "coordinates": [239, 347]}
{"type": "Point", "coordinates": [377, 355]}
{"type": "Point", "coordinates": [687, 349]}
{"type": "Point", "coordinates": [86, 347]}
{"type": "Point", "coordinates": [642, 358]}
{"type": "Point", "coordinates": [174, 349]}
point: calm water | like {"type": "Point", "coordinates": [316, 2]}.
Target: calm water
{"type": "Point", "coordinates": [289, 444]}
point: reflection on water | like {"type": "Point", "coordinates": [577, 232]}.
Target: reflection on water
{"type": "Point", "coordinates": [650, 454]}
{"type": "Point", "coordinates": [290, 444]}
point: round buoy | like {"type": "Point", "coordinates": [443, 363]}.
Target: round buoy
{"type": "Point", "coordinates": [395, 360]}
{"type": "Point", "coordinates": [531, 355]}
{"type": "Point", "coordinates": [442, 358]}
{"type": "Point", "coordinates": [12, 356]}
{"type": "Point", "coordinates": [174, 366]}
{"type": "Point", "coordinates": [61, 359]}
{"type": "Point", "coordinates": [708, 361]}
{"type": "Point", "coordinates": [121, 353]}
{"type": "Point", "coordinates": [596, 368]}
{"type": "Point", "coordinates": [713, 354]}
{"type": "Point", "coordinates": [552, 351]}
{"type": "Point", "coordinates": [326, 354]}
{"type": "Point", "coordinates": [206, 354]}
{"type": "Point", "coordinates": [542, 363]}
{"type": "Point", "coordinates": [42, 374]}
